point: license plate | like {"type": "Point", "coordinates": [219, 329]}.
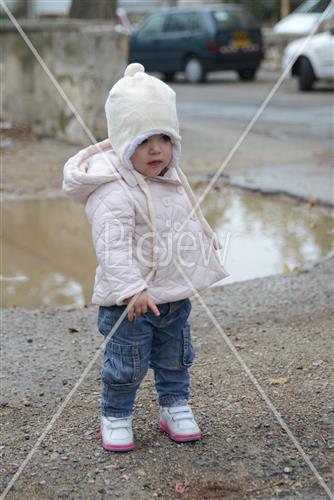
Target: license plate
{"type": "Point", "coordinates": [241, 42]}
{"type": "Point", "coordinates": [241, 39]}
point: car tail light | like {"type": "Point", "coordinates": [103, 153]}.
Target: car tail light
{"type": "Point", "coordinates": [213, 47]}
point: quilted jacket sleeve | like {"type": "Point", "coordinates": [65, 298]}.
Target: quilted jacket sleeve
{"type": "Point", "coordinates": [112, 215]}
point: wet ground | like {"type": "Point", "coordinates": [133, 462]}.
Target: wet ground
{"type": "Point", "coordinates": [48, 257]}
{"type": "Point", "coordinates": [282, 325]}
{"type": "Point", "coordinates": [288, 150]}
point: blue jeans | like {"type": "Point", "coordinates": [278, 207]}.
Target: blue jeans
{"type": "Point", "coordinates": [159, 342]}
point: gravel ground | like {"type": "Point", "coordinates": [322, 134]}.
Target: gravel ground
{"type": "Point", "coordinates": [281, 326]}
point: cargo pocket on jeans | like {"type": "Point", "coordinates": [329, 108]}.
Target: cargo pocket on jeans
{"type": "Point", "coordinates": [124, 363]}
{"type": "Point", "coordinates": [188, 353]}
{"type": "Point", "coordinates": [104, 320]}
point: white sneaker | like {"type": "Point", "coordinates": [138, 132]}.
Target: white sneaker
{"type": "Point", "coordinates": [179, 423]}
{"type": "Point", "coordinates": [116, 433]}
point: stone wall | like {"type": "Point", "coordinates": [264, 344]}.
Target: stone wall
{"type": "Point", "coordinates": [86, 59]}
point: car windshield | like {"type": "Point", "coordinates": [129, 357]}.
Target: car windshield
{"type": "Point", "coordinates": [153, 26]}
{"type": "Point", "coordinates": [312, 6]}
{"type": "Point", "coordinates": [239, 18]}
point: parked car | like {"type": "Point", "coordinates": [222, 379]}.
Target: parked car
{"type": "Point", "coordinates": [314, 62]}
{"type": "Point", "coordinates": [303, 19]}
{"type": "Point", "coordinates": [198, 40]}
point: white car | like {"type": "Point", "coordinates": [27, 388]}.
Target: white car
{"type": "Point", "coordinates": [302, 20]}
{"type": "Point", "coordinates": [315, 59]}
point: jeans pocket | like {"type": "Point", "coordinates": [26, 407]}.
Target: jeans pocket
{"type": "Point", "coordinates": [188, 353]}
{"type": "Point", "coordinates": [104, 320]}
{"type": "Point", "coordinates": [124, 363]}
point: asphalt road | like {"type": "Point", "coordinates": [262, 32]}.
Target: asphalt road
{"type": "Point", "coordinates": [288, 149]}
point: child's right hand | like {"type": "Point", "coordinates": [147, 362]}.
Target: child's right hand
{"type": "Point", "coordinates": [141, 305]}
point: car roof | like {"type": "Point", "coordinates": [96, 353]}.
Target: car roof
{"type": "Point", "coordinates": [199, 8]}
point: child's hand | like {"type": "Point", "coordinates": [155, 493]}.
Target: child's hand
{"type": "Point", "coordinates": [140, 306]}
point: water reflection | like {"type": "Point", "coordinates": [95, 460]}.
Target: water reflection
{"type": "Point", "coordinates": [48, 257]}
{"type": "Point", "coordinates": [48, 243]}
{"type": "Point", "coordinates": [266, 234]}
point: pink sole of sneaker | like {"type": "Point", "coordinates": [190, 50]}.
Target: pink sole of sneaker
{"type": "Point", "coordinates": [179, 438]}
{"type": "Point", "coordinates": [117, 447]}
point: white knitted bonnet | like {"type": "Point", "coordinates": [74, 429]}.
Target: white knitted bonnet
{"type": "Point", "coordinates": [138, 106]}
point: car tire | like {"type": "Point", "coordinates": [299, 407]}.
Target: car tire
{"type": "Point", "coordinates": [305, 75]}
{"type": "Point", "coordinates": [169, 76]}
{"type": "Point", "coordinates": [194, 70]}
{"type": "Point", "coordinates": [247, 74]}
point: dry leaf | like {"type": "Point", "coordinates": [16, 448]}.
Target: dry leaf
{"type": "Point", "coordinates": [286, 269]}
{"type": "Point", "coordinates": [73, 329]}
{"type": "Point", "coordinates": [278, 380]}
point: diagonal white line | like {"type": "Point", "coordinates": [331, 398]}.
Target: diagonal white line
{"type": "Point", "coordinates": [47, 71]}
{"type": "Point", "coordinates": [63, 405]}
{"type": "Point", "coordinates": [257, 115]}
{"type": "Point", "coordinates": [94, 141]}
{"type": "Point", "coordinates": [258, 387]}
{"type": "Point", "coordinates": [86, 371]}
{"type": "Point", "coordinates": [71, 106]}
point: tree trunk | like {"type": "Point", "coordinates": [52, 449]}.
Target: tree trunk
{"type": "Point", "coordinates": [93, 9]}
{"type": "Point", "coordinates": [285, 8]}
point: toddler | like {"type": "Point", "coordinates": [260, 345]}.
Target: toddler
{"type": "Point", "coordinates": [154, 250]}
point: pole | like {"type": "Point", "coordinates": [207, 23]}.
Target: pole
{"type": "Point", "coordinates": [285, 8]}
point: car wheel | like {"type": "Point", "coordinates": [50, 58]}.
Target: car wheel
{"type": "Point", "coordinates": [169, 76]}
{"type": "Point", "coordinates": [247, 74]}
{"type": "Point", "coordinates": [194, 70]}
{"type": "Point", "coordinates": [305, 74]}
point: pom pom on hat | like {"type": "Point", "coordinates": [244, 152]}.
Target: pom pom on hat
{"type": "Point", "coordinates": [134, 68]}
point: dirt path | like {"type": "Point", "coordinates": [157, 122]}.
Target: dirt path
{"type": "Point", "coordinates": [282, 327]}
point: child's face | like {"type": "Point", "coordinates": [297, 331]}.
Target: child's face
{"type": "Point", "coordinates": [152, 155]}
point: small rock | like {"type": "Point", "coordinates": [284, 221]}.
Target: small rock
{"type": "Point", "coordinates": [287, 470]}
{"type": "Point", "coordinates": [29, 340]}
{"type": "Point", "coordinates": [6, 480]}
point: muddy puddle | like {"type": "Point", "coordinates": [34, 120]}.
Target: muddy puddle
{"type": "Point", "coordinates": [48, 258]}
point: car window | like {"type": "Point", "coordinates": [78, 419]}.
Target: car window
{"type": "Point", "coordinates": [230, 19]}
{"type": "Point", "coordinates": [178, 22]}
{"type": "Point", "coordinates": [195, 22]}
{"type": "Point", "coordinates": [312, 6]}
{"type": "Point", "coordinates": [153, 26]}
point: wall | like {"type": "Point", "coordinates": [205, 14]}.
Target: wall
{"type": "Point", "coordinates": [85, 58]}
